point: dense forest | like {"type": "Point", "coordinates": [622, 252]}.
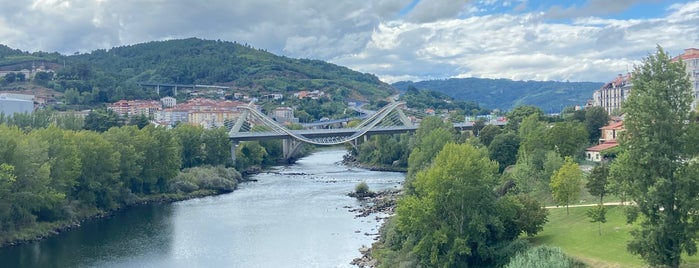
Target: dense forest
{"type": "Point", "coordinates": [108, 75]}
{"type": "Point", "coordinates": [505, 94]}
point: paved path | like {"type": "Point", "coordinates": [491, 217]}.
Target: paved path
{"type": "Point", "coordinates": [592, 205]}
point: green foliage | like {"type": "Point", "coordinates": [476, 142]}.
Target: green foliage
{"type": "Point", "coordinates": [543, 257]}
{"type": "Point", "coordinates": [50, 175]}
{"type": "Point", "coordinates": [488, 133]}
{"type": "Point", "coordinates": [249, 154]}
{"type": "Point", "coordinates": [597, 214]}
{"type": "Point", "coordinates": [452, 212]}
{"type": "Point", "coordinates": [218, 179]}
{"type": "Point", "coordinates": [504, 149]}
{"type": "Point", "coordinates": [567, 138]}
{"type": "Point", "coordinates": [595, 118]}
{"type": "Point", "coordinates": [361, 188]}
{"type": "Point", "coordinates": [597, 181]}
{"type": "Point", "coordinates": [424, 99]}
{"type": "Point", "coordinates": [565, 183]}
{"type": "Point", "coordinates": [101, 120]}
{"type": "Point", "coordinates": [657, 167]}
{"type": "Point", "coordinates": [428, 140]}
{"type": "Point", "coordinates": [515, 117]}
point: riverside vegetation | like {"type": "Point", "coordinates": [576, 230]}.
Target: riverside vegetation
{"type": "Point", "coordinates": [52, 177]}
{"type": "Point", "coordinates": [474, 201]}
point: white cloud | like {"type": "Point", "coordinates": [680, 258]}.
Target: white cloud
{"type": "Point", "coordinates": [434, 39]}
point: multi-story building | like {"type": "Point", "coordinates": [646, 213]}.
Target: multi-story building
{"type": "Point", "coordinates": [284, 115]}
{"type": "Point", "coordinates": [690, 57]}
{"type": "Point", "coordinates": [612, 94]}
{"type": "Point", "coordinates": [168, 102]}
{"type": "Point", "coordinates": [135, 107]}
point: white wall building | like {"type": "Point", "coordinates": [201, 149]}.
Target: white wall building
{"type": "Point", "coordinates": [690, 57]}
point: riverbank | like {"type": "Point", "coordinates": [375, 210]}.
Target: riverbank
{"type": "Point", "coordinates": [43, 230]}
{"type": "Point", "coordinates": [382, 204]}
{"type": "Point", "coordinates": [351, 161]}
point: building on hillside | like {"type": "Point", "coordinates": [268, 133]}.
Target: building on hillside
{"type": "Point", "coordinates": [10, 106]}
{"type": "Point", "coordinates": [690, 57]}
{"type": "Point", "coordinates": [284, 115]}
{"type": "Point", "coordinates": [612, 94]}
{"type": "Point", "coordinates": [607, 142]}
{"type": "Point", "coordinates": [136, 107]}
{"type": "Point", "coordinates": [168, 102]}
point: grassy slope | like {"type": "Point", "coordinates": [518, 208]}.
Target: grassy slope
{"type": "Point", "coordinates": [579, 238]}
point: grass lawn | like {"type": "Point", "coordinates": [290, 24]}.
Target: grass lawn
{"type": "Point", "coordinates": [579, 238]}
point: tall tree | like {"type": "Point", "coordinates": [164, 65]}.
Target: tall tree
{"type": "Point", "coordinates": [503, 149]}
{"type": "Point", "coordinates": [565, 183]}
{"type": "Point", "coordinates": [657, 161]}
{"type": "Point", "coordinates": [101, 120]}
{"type": "Point", "coordinates": [452, 214]}
{"type": "Point", "coordinates": [595, 118]}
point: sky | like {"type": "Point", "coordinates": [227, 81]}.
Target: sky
{"type": "Point", "coordinates": [397, 40]}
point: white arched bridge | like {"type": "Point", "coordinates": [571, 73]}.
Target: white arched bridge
{"type": "Point", "coordinates": [253, 125]}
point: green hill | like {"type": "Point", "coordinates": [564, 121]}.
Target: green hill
{"type": "Point", "coordinates": [107, 75]}
{"type": "Point", "coordinates": [505, 94]}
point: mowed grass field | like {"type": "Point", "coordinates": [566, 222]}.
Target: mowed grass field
{"type": "Point", "coordinates": [579, 238]}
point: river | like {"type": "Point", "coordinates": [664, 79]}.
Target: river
{"type": "Point", "coordinates": [295, 216]}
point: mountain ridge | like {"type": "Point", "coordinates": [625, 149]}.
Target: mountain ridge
{"type": "Point", "coordinates": [505, 94]}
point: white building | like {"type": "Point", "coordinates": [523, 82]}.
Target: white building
{"type": "Point", "coordinates": [168, 102]}
{"type": "Point", "coordinates": [10, 106]}
{"type": "Point", "coordinates": [612, 94]}
{"type": "Point", "coordinates": [690, 57]}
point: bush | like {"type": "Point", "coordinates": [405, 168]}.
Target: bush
{"type": "Point", "coordinates": [361, 189]}
{"type": "Point", "coordinates": [544, 257]}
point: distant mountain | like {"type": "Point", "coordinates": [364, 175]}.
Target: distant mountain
{"type": "Point", "coordinates": [506, 94]}
{"type": "Point", "coordinates": [107, 75]}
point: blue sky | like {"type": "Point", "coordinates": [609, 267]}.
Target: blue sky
{"type": "Point", "coordinates": [579, 40]}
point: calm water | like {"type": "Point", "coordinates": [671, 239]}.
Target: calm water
{"type": "Point", "coordinates": [282, 220]}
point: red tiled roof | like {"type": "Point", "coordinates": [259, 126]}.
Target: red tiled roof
{"type": "Point", "coordinates": [690, 53]}
{"type": "Point", "coordinates": [603, 146]}
{"type": "Point", "coordinates": [618, 125]}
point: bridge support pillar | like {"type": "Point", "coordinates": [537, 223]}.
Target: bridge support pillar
{"type": "Point", "coordinates": [234, 144]}
{"type": "Point", "coordinates": [290, 147]}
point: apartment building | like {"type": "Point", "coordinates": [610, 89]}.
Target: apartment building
{"type": "Point", "coordinates": [612, 94]}
{"type": "Point", "coordinates": [690, 57]}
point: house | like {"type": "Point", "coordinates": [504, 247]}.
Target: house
{"type": "Point", "coordinates": [607, 142]}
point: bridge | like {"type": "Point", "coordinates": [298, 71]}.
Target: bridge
{"type": "Point", "coordinates": [253, 125]}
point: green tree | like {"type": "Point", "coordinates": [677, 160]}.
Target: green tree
{"type": "Point", "coordinates": [597, 182]}
{"type": "Point", "coordinates": [216, 146]}
{"type": "Point", "coordinates": [504, 149]}
{"type": "Point", "coordinates": [101, 120]}
{"type": "Point", "coordinates": [249, 154]}
{"type": "Point", "coordinates": [567, 138]}
{"type": "Point", "coordinates": [597, 214]}
{"type": "Point", "coordinates": [452, 216]}
{"type": "Point", "coordinates": [190, 137]}
{"type": "Point", "coordinates": [518, 114]}
{"type": "Point", "coordinates": [139, 120]}
{"type": "Point", "coordinates": [488, 133]}
{"type": "Point", "coordinates": [565, 183]}
{"type": "Point", "coordinates": [657, 162]}
{"type": "Point", "coordinates": [428, 140]}
{"type": "Point", "coordinates": [595, 118]}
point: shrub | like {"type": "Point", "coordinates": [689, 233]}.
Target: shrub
{"type": "Point", "coordinates": [361, 189]}
{"type": "Point", "coordinates": [544, 257]}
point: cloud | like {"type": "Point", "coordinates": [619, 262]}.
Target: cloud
{"type": "Point", "coordinates": [394, 39]}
